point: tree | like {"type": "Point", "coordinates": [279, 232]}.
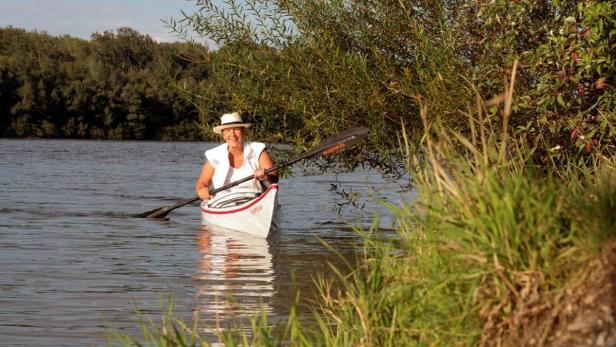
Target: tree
{"type": "Point", "coordinates": [303, 68]}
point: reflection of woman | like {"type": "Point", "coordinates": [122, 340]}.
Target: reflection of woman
{"type": "Point", "coordinates": [233, 269]}
{"type": "Point", "coordinates": [235, 159]}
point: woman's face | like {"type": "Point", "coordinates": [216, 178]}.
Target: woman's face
{"type": "Point", "coordinates": [234, 137]}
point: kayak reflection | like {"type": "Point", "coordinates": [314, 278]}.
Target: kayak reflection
{"type": "Point", "coordinates": [235, 274]}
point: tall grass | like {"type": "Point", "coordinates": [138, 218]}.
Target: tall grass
{"type": "Point", "coordinates": [485, 255]}
{"type": "Point", "coordinates": [488, 248]}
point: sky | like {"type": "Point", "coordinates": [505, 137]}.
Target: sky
{"type": "Point", "coordinates": [81, 18]}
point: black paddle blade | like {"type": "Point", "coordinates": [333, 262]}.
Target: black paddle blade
{"type": "Point", "coordinates": [350, 136]}
{"type": "Point", "coordinates": [340, 141]}
{"type": "Point", "coordinates": [160, 212]}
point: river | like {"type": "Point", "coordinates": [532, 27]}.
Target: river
{"type": "Point", "coordinates": [74, 264]}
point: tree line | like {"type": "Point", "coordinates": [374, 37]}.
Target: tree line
{"type": "Point", "coordinates": [118, 85]}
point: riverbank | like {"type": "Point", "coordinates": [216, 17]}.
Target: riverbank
{"type": "Point", "coordinates": [494, 251]}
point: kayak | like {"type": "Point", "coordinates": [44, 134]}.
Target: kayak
{"type": "Point", "coordinates": [251, 213]}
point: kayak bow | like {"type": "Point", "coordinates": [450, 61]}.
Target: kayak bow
{"type": "Point", "coordinates": [243, 212]}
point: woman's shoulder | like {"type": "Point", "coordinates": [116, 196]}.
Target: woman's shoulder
{"type": "Point", "coordinates": [256, 148]}
{"type": "Point", "coordinates": [220, 150]}
{"type": "Point", "coordinates": [256, 145]}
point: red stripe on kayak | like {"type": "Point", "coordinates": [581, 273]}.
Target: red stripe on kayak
{"type": "Point", "coordinates": [273, 186]}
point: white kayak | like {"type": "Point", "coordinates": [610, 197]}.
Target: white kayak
{"type": "Point", "coordinates": [246, 212]}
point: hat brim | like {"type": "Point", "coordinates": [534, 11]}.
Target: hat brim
{"type": "Point", "coordinates": [218, 129]}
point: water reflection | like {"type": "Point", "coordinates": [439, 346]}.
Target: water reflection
{"type": "Point", "coordinates": [235, 274]}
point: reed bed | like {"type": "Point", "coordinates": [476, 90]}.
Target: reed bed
{"type": "Point", "coordinates": [491, 252]}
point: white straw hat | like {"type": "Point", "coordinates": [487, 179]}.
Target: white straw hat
{"type": "Point", "coordinates": [230, 120]}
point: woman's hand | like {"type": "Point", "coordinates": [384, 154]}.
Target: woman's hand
{"type": "Point", "coordinates": [204, 193]}
{"type": "Point", "coordinates": [260, 174]}
{"type": "Point", "coordinates": [266, 163]}
{"type": "Point", "coordinates": [204, 181]}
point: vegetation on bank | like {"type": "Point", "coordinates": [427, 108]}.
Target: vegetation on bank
{"type": "Point", "coordinates": [495, 251]}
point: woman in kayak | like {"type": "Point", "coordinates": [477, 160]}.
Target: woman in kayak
{"type": "Point", "coordinates": [235, 159]}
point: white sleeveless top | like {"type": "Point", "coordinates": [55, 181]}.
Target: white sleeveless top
{"type": "Point", "coordinates": [225, 174]}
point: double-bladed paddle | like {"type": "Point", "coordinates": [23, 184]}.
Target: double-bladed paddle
{"type": "Point", "coordinates": [330, 145]}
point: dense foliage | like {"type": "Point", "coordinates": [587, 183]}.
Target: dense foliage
{"type": "Point", "coordinates": [118, 85]}
{"type": "Point", "coordinates": [304, 67]}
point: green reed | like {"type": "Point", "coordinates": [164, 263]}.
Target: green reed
{"type": "Point", "coordinates": [485, 252]}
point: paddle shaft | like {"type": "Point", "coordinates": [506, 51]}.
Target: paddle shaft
{"type": "Point", "coordinates": [230, 185]}
{"type": "Point", "coordinates": [240, 181]}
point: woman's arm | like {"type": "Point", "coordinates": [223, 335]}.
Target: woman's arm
{"type": "Point", "coordinates": [266, 162]}
{"type": "Point", "coordinates": [202, 187]}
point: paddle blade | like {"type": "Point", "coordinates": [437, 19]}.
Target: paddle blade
{"type": "Point", "coordinates": [160, 212]}
{"type": "Point", "coordinates": [340, 141]}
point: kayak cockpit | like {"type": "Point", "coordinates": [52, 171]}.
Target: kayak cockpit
{"type": "Point", "coordinates": [233, 199]}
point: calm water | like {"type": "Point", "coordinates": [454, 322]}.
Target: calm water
{"type": "Point", "coordinates": [73, 261]}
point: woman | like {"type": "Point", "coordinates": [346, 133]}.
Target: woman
{"type": "Point", "coordinates": [235, 159]}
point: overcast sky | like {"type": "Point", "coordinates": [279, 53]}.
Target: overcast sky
{"type": "Point", "coordinates": [81, 18]}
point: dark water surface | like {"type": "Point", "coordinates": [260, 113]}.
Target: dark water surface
{"type": "Point", "coordinates": [73, 261]}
